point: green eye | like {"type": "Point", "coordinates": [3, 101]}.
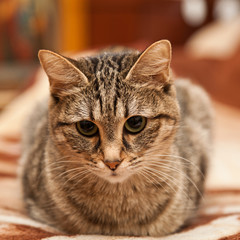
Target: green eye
{"type": "Point", "coordinates": [87, 128]}
{"type": "Point", "coordinates": [135, 124]}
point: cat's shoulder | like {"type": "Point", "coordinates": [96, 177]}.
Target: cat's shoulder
{"type": "Point", "coordinates": [36, 121]}
{"type": "Point", "coordinates": [193, 99]}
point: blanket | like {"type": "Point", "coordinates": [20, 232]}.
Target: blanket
{"type": "Point", "coordinates": [218, 217]}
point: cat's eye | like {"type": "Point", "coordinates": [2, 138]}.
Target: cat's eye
{"type": "Point", "coordinates": [87, 128]}
{"type": "Point", "coordinates": [135, 124]}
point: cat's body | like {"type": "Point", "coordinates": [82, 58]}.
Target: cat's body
{"type": "Point", "coordinates": [116, 181]}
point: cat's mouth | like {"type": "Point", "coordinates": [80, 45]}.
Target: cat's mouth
{"type": "Point", "coordinates": [116, 175]}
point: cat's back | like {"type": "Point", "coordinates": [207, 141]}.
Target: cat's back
{"type": "Point", "coordinates": [195, 106]}
{"type": "Point", "coordinates": [35, 135]}
{"type": "Point", "coordinates": [194, 135]}
{"type": "Point", "coordinates": [36, 122]}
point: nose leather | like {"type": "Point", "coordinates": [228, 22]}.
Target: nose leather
{"type": "Point", "coordinates": [112, 164]}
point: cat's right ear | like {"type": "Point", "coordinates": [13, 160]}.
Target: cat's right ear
{"type": "Point", "coordinates": [153, 66]}
{"type": "Point", "coordinates": [63, 75]}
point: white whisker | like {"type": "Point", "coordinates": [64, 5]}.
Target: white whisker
{"type": "Point", "coordinates": [142, 172]}
{"type": "Point", "coordinates": [159, 177]}
{"type": "Point", "coordinates": [81, 179]}
{"type": "Point", "coordinates": [171, 179]}
{"type": "Point", "coordinates": [184, 175]}
{"type": "Point", "coordinates": [78, 175]}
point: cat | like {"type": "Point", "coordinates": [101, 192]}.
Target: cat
{"type": "Point", "coordinates": [119, 147]}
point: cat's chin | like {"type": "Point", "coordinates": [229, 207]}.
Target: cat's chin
{"type": "Point", "coordinates": [115, 177]}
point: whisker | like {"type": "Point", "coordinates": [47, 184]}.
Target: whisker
{"type": "Point", "coordinates": [78, 175]}
{"type": "Point", "coordinates": [68, 161]}
{"type": "Point", "coordinates": [171, 179]}
{"type": "Point", "coordinates": [158, 163]}
{"type": "Point", "coordinates": [142, 173]}
{"type": "Point", "coordinates": [146, 175]}
{"type": "Point", "coordinates": [159, 177]}
{"type": "Point", "coordinates": [176, 157]}
{"type": "Point", "coordinates": [81, 179]}
{"type": "Point", "coordinates": [69, 171]}
{"type": "Point", "coordinates": [185, 175]}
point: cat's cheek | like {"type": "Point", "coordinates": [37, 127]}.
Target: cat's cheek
{"type": "Point", "coordinates": [101, 165]}
{"type": "Point", "coordinates": [59, 136]}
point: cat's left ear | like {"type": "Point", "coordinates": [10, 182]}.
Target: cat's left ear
{"type": "Point", "coordinates": [153, 66]}
{"type": "Point", "coordinates": [63, 75]}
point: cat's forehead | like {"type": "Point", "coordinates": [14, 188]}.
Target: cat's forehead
{"type": "Point", "coordinates": [107, 66]}
{"type": "Point", "coordinates": [108, 96]}
{"type": "Point", "coordinates": [110, 105]}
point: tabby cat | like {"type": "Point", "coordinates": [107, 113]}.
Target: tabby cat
{"type": "Point", "coordinates": [118, 148]}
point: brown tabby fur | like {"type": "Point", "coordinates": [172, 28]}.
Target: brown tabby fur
{"type": "Point", "coordinates": [159, 183]}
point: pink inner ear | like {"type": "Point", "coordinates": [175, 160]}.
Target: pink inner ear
{"type": "Point", "coordinates": [154, 61]}
{"type": "Point", "coordinates": [63, 75]}
{"type": "Point", "coordinates": [152, 66]}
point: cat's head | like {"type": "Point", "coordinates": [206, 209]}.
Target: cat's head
{"type": "Point", "coordinates": [111, 113]}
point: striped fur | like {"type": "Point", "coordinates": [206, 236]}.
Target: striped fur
{"type": "Point", "coordinates": [159, 182]}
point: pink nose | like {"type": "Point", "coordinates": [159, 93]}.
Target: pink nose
{"type": "Point", "coordinates": [112, 165]}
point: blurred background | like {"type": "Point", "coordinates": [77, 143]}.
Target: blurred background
{"type": "Point", "coordinates": [205, 35]}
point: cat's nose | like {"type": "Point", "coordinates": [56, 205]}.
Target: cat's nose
{"type": "Point", "coordinates": [112, 164]}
